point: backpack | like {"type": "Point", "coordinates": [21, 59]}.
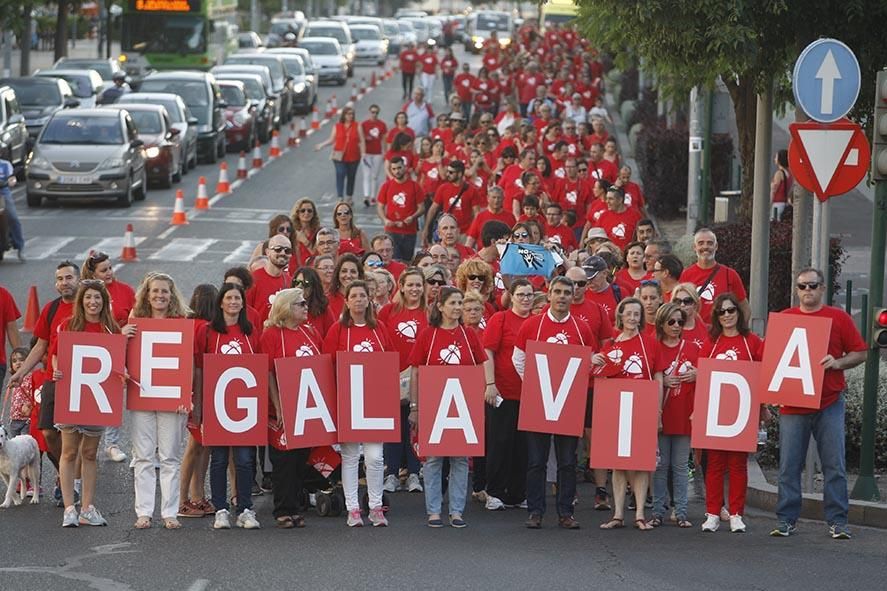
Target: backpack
{"type": "Point", "coordinates": [50, 314]}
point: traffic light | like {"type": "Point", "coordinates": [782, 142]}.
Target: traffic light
{"type": "Point", "coordinates": [879, 328]}
{"type": "Point", "coordinates": [879, 143]}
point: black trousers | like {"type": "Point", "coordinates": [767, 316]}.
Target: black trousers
{"type": "Point", "coordinates": [408, 80]}
{"type": "Point", "coordinates": [287, 480]}
{"type": "Point", "coordinates": [506, 454]}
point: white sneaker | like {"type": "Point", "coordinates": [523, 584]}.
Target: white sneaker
{"type": "Point", "coordinates": [712, 523]}
{"type": "Point", "coordinates": [247, 520]}
{"type": "Point", "coordinates": [494, 504]}
{"type": "Point", "coordinates": [377, 517]}
{"type": "Point", "coordinates": [223, 520]}
{"type": "Point", "coordinates": [736, 524]}
{"type": "Point", "coordinates": [70, 518]}
{"type": "Point", "coordinates": [413, 484]}
{"type": "Point", "coordinates": [523, 504]}
{"type": "Point", "coordinates": [725, 515]}
{"type": "Point", "coordinates": [354, 518]}
{"type": "Point", "coordinates": [115, 454]}
{"type": "Point", "coordinates": [392, 483]}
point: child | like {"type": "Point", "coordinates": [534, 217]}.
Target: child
{"type": "Point", "coordinates": [530, 209]}
{"type": "Point", "coordinates": [22, 397]}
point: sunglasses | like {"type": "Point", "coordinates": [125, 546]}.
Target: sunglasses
{"type": "Point", "coordinates": [684, 301]}
{"type": "Point", "coordinates": [343, 213]}
{"type": "Point", "coordinates": [284, 230]}
{"type": "Point", "coordinates": [517, 235]}
{"type": "Point", "coordinates": [725, 311]}
{"type": "Point", "coordinates": [302, 304]}
{"type": "Point", "coordinates": [477, 277]}
{"type": "Point", "coordinates": [647, 282]}
{"type": "Point", "coordinates": [812, 285]}
{"type": "Point", "coordinates": [374, 264]}
{"type": "Point", "coordinates": [437, 282]}
{"type": "Point", "coordinates": [673, 321]}
{"type": "Point", "coordinates": [306, 210]}
{"type": "Point", "coordinates": [283, 249]}
{"type": "Point", "coordinates": [580, 283]}
{"type": "Point", "coordinates": [301, 283]}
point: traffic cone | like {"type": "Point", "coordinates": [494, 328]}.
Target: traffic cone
{"type": "Point", "coordinates": [128, 254]}
{"type": "Point", "coordinates": [303, 132]}
{"type": "Point", "coordinates": [257, 156]}
{"type": "Point", "coordinates": [242, 173]}
{"type": "Point", "coordinates": [329, 109]}
{"type": "Point", "coordinates": [202, 199]}
{"type": "Point", "coordinates": [178, 213]}
{"type": "Point", "coordinates": [292, 140]}
{"type": "Point", "coordinates": [223, 186]}
{"type": "Point", "coordinates": [363, 85]}
{"type": "Point", "coordinates": [32, 312]}
{"type": "Point", "coordinates": [374, 82]}
{"type": "Point", "coordinates": [353, 92]}
{"type": "Point", "coordinates": [274, 151]}
{"type": "Point", "coordinates": [315, 118]}
{"type": "Point", "coordinates": [334, 105]}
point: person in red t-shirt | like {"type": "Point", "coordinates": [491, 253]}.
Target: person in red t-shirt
{"type": "Point", "coordinates": [556, 231]}
{"type": "Point", "coordinates": [374, 130]}
{"type": "Point", "coordinates": [511, 180]}
{"type": "Point", "coordinates": [710, 277]}
{"type": "Point", "coordinates": [9, 313]}
{"type": "Point", "coordinates": [634, 197]}
{"type": "Point", "coordinates": [527, 82]}
{"type": "Point", "coordinates": [400, 126]}
{"type": "Point", "coordinates": [463, 84]}
{"type": "Point", "coordinates": [600, 168]}
{"type": "Point", "coordinates": [600, 290]}
{"type": "Point", "coordinates": [429, 63]}
{"type": "Point", "coordinates": [448, 66]}
{"type": "Point", "coordinates": [401, 202]}
{"type": "Point", "coordinates": [270, 278]}
{"type": "Point", "coordinates": [618, 221]}
{"type": "Point", "coordinates": [408, 61]}
{"type": "Point", "coordinates": [494, 211]}
{"type": "Point", "coordinates": [98, 266]}
{"type": "Point", "coordinates": [633, 273]}
{"type": "Point", "coordinates": [456, 197]}
{"type": "Point", "coordinates": [846, 349]}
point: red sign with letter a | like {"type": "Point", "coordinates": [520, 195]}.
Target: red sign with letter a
{"type": "Point", "coordinates": [368, 396]}
{"type": "Point", "coordinates": [160, 360]}
{"type": "Point", "coordinates": [791, 374]}
{"type": "Point", "coordinates": [555, 389]}
{"type": "Point", "coordinates": [451, 410]}
{"type": "Point", "coordinates": [90, 392]}
{"type": "Point", "coordinates": [307, 387]}
{"type": "Point", "coordinates": [726, 408]}
{"type": "Point", "coordinates": [624, 424]}
{"type": "Point", "coordinates": [235, 399]}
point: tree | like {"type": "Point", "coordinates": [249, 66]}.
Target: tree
{"type": "Point", "coordinates": [61, 29]}
{"type": "Point", "coordinates": [750, 45]}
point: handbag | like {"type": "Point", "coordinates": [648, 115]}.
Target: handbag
{"type": "Point", "coordinates": [337, 155]}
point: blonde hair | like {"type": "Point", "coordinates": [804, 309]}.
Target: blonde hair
{"type": "Point", "coordinates": [473, 297]}
{"type": "Point", "coordinates": [177, 306]}
{"type": "Point", "coordinates": [280, 309]}
{"type": "Point", "coordinates": [687, 288]}
{"type": "Point", "coordinates": [474, 267]}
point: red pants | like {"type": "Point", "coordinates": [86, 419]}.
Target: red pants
{"type": "Point", "coordinates": [720, 462]}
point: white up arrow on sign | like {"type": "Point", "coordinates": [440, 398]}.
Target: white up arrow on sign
{"type": "Point", "coordinates": [827, 73]}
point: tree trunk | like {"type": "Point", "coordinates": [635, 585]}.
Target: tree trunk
{"type": "Point", "coordinates": [25, 40]}
{"type": "Point", "coordinates": [61, 30]}
{"type": "Point", "coordinates": [745, 108]}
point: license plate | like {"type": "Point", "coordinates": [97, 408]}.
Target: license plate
{"type": "Point", "coordinates": [75, 180]}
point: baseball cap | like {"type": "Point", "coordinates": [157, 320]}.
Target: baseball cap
{"type": "Point", "coordinates": [594, 265]}
{"type": "Point", "coordinates": [596, 233]}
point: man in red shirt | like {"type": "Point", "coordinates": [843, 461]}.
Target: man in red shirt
{"type": "Point", "coordinates": [618, 221]}
{"type": "Point", "coordinates": [454, 196]}
{"type": "Point", "coordinates": [408, 60]}
{"type": "Point", "coordinates": [846, 349]}
{"type": "Point", "coordinates": [9, 313]}
{"type": "Point", "coordinates": [374, 130]}
{"type": "Point", "coordinates": [464, 84]}
{"type": "Point", "coordinates": [448, 65]}
{"type": "Point", "coordinates": [429, 72]}
{"type": "Point", "coordinates": [600, 290]}
{"type": "Point", "coordinates": [573, 192]}
{"type": "Point", "coordinates": [400, 204]}
{"type": "Point", "coordinates": [494, 211]}
{"type": "Point", "coordinates": [526, 86]}
{"type": "Point", "coordinates": [634, 197]}
{"type": "Point", "coordinates": [598, 166]}
{"type": "Point", "coordinates": [382, 244]}
{"type": "Point", "coordinates": [712, 278]}
{"type": "Point", "coordinates": [511, 182]}
{"type": "Point", "coordinates": [555, 228]}
{"type": "Point", "coordinates": [271, 277]}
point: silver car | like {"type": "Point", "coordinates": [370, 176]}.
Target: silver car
{"type": "Point", "coordinates": [179, 115]}
{"type": "Point", "coordinates": [372, 47]}
{"type": "Point", "coordinates": [339, 31]}
{"type": "Point", "coordinates": [327, 53]}
{"type": "Point", "coordinates": [86, 84]}
{"type": "Point", "coordinates": [86, 154]}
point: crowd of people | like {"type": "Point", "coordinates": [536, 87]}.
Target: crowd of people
{"type": "Point", "coordinates": [523, 156]}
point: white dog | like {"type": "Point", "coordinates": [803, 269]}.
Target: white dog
{"type": "Point", "coordinates": [19, 457]}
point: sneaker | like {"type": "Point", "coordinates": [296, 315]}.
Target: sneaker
{"type": "Point", "coordinates": [91, 516]}
{"type": "Point", "coordinates": [601, 500]}
{"type": "Point", "coordinates": [377, 517]}
{"type": "Point", "coordinates": [256, 491]}
{"type": "Point", "coordinates": [523, 504]}
{"type": "Point", "coordinates": [392, 483]}
{"type": "Point", "coordinates": [783, 529]}
{"type": "Point", "coordinates": [21, 255]}
{"type": "Point", "coordinates": [725, 515]}
{"type": "Point", "coordinates": [247, 520]}
{"type": "Point", "coordinates": [354, 518]}
{"type": "Point", "coordinates": [567, 522]}
{"type": "Point", "coordinates": [413, 484]}
{"type": "Point", "coordinates": [223, 519]}
{"type": "Point", "coordinates": [712, 523]}
{"type": "Point", "coordinates": [267, 484]}
{"type": "Point", "coordinates": [737, 526]}
{"type": "Point", "coordinates": [839, 532]}
{"type": "Point", "coordinates": [115, 454]}
{"type": "Point", "coordinates": [206, 505]}
{"type": "Point", "coordinates": [190, 509]}
{"type": "Point", "coordinates": [534, 521]}
{"type": "Point", "coordinates": [70, 519]}
{"type": "Point", "coordinates": [494, 504]}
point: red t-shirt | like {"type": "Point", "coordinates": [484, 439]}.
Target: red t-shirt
{"type": "Point", "coordinates": [373, 133]}
{"type": "Point", "coordinates": [634, 197]}
{"type": "Point", "coordinates": [430, 175]}
{"type": "Point", "coordinates": [93, 327]}
{"type": "Point", "coordinates": [405, 328]}
{"type": "Point", "coordinates": [698, 335]}
{"type": "Point", "coordinates": [408, 60]}
{"type": "Point", "coordinates": [401, 200]}
{"type": "Point", "coordinates": [526, 86]}
{"type": "Point", "coordinates": [725, 280]}
{"type": "Point", "coordinates": [637, 358]}
{"type": "Point", "coordinates": [596, 209]}
{"type": "Point", "coordinates": [595, 316]}
{"type": "Point", "coordinates": [488, 216]}
{"type": "Point", "coordinates": [748, 347]}
{"type": "Point", "coordinates": [232, 342]}
{"type": "Point", "coordinates": [395, 268]}
{"type": "Point", "coordinates": [603, 170]}
{"type": "Point", "coordinates": [261, 295]}
{"type": "Point", "coordinates": [336, 304]}
{"type": "Point", "coordinates": [8, 313]}
{"type": "Point", "coordinates": [543, 328]}
{"type": "Point", "coordinates": [562, 235]}
{"type": "Point", "coordinates": [123, 298]}
{"type": "Point", "coordinates": [429, 63]}
{"type": "Point", "coordinates": [483, 93]}
{"type": "Point", "coordinates": [453, 346]}
{"type": "Point", "coordinates": [348, 141]}
{"type": "Point", "coordinates": [491, 61]}
{"type": "Point", "coordinates": [619, 226]}
{"type": "Point", "coordinates": [678, 401]}
{"type": "Point", "coordinates": [844, 338]}
{"type": "Point", "coordinates": [322, 323]}
{"type": "Point", "coordinates": [630, 283]}
{"type": "Point", "coordinates": [465, 252]}
{"type": "Point", "coordinates": [277, 342]}
{"type": "Point", "coordinates": [573, 195]}
{"type": "Point", "coordinates": [394, 131]}
{"type": "Point", "coordinates": [463, 83]}
{"type": "Point", "coordinates": [463, 209]}
{"type": "Point", "coordinates": [500, 337]}
{"type": "Point", "coordinates": [409, 159]}
{"type": "Point", "coordinates": [448, 65]}
{"type": "Point", "coordinates": [359, 339]}
{"type": "Point", "coordinates": [607, 300]}
{"type": "Point", "coordinates": [48, 331]}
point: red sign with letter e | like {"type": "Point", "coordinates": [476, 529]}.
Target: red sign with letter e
{"type": "Point", "coordinates": [160, 360]}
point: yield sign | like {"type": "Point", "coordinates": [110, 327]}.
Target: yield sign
{"type": "Point", "coordinates": [828, 159]}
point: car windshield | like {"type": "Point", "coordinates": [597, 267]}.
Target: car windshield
{"type": "Point", "coordinates": [100, 66]}
{"type": "Point", "coordinates": [366, 34]}
{"type": "Point", "coordinates": [405, 27]}
{"type": "Point", "coordinates": [317, 48]}
{"type": "Point", "coordinates": [282, 28]}
{"type": "Point", "coordinates": [390, 29]}
{"type": "Point", "coordinates": [82, 130]}
{"type": "Point", "coordinates": [80, 85]}
{"type": "Point", "coordinates": [172, 107]}
{"type": "Point", "coordinates": [293, 65]}
{"type": "Point", "coordinates": [36, 93]}
{"type": "Point", "coordinates": [336, 33]}
{"type": "Point", "coordinates": [147, 121]}
{"type": "Point", "coordinates": [273, 64]}
{"type": "Point", "coordinates": [492, 22]}
{"type": "Point", "coordinates": [233, 96]}
{"type": "Point", "coordinates": [194, 93]}
{"type": "Point", "coordinates": [420, 25]}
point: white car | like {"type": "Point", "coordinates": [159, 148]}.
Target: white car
{"type": "Point", "coordinates": [328, 54]}
{"type": "Point", "coordinates": [371, 47]}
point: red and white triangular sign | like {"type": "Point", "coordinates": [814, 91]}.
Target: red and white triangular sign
{"type": "Point", "coordinates": [828, 159]}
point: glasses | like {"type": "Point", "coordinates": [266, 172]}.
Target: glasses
{"type": "Point", "coordinates": [92, 283]}
{"type": "Point", "coordinates": [673, 321]}
{"type": "Point", "coordinates": [725, 311]}
{"type": "Point", "coordinates": [306, 210]}
{"type": "Point", "coordinates": [684, 301]}
{"type": "Point", "coordinates": [281, 249]}
{"type": "Point", "coordinates": [811, 285]}
{"type": "Point", "coordinates": [646, 282]}
{"type": "Point", "coordinates": [301, 283]}
{"type": "Point", "coordinates": [374, 112]}
{"type": "Point", "coordinates": [374, 264]}
{"type": "Point", "coordinates": [284, 230]}
{"type": "Point", "coordinates": [452, 171]}
{"type": "Point", "coordinates": [342, 213]}
{"type": "Point", "coordinates": [524, 296]}
{"type": "Point", "coordinates": [437, 282]}
{"type": "Point", "coordinates": [518, 235]}
{"type": "Point", "coordinates": [302, 304]}
{"type": "Point", "coordinates": [477, 277]}
{"type": "Point", "coordinates": [580, 283]}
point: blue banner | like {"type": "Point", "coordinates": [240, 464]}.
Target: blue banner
{"type": "Point", "coordinates": [526, 259]}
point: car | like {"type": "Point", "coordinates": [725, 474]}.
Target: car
{"type": "Point", "coordinates": [312, 70]}
{"type": "Point", "coordinates": [408, 12]}
{"type": "Point", "coordinates": [179, 115]}
{"type": "Point", "coordinates": [327, 53]}
{"type": "Point", "coordinates": [39, 98]}
{"type": "Point", "coordinates": [201, 93]}
{"type": "Point", "coordinates": [339, 31]}
{"type": "Point", "coordinates": [164, 159]}
{"type": "Point", "coordinates": [86, 84]}
{"type": "Point", "coordinates": [87, 154]}
{"type": "Point", "coordinates": [371, 47]}
{"type": "Point", "coordinates": [435, 34]}
{"type": "Point", "coordinates": [105, 67]}
{"type": "Point", "coordinates": [420, 25]}
{"type": "Point", "coordinates": [285, 32]}
{"type": "Point", "coordinates": [303, 90]}
{"type": "Point", "coordinates": [14, 144]}
{"type": "Point", "coordinates": [271, 99]}
{"type": "Point", "coordinates": [239, 115]}
{"type": "Point", "coordinates": [255, 94]}
{"type": "Point", "coordinates": [407, 32]}
{"type": "Point", "coordinates": [395, 38]}
{"type": "Point", "coordinates": [249, 40]}
{"type": "Point", "coordinates": [280, 79]}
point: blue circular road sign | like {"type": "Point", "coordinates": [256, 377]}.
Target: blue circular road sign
{"type": "Point", "coordinates": [826, 80]}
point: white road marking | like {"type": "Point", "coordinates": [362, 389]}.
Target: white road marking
{"type": "Point", "coordinates": [182, 249]}
{"type": "Point", "coordinates": [112, 246]}
{"type": "Point", "coordinates": [242, 253]}
{"type": "Point", "coordinates": [165, 234]}
{"type": "Point", "coordinates": [44, 247]}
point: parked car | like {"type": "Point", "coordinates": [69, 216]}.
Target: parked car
{"type": "Point", "coordinates": [285, 32]}
{"type": "Point", "coordinates": [339, 31]}
{"type": "Point", "coordinates": [407, 32]}
{"type": "Point", "coordinates": [371, 47]}
{"type": "Point", "coordinates": [270, 98]}
{"type": "Point", "coordinates": [201, 93]}
{"type": "Point", "coordinates": [249, 40]}
{"type": "Point", "coordinates": [86, 84]}
{"type": "Point", "coordinates": [87, 154]}
{"type": "Point", "coordinates": [303, 90]}
{"type": "Point", "coordinates": [311, 72]}
{"type": "Point", "coordinates": [395, 38]}
{"type": "Point", "coordinates": [327, 53]}
{"type": "Point", "coordinates": [240, 123]}
{"type": "Point", "coordinates": [14, 143]}
{"type": "Point", "coordinates": [105, 67]}
{"type": "Point", "coordinates": [280, 79]}
{"type": "Point", "coordinates": [39, 98]}
{"type": "Point", "coordinates": [179, 115]}
{"type": "Point", "coordinates": [164, 159]}
{"type": "Point", "coordinates": [421, 27]}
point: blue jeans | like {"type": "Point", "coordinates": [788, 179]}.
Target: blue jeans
{"type": "Point", "coordinates": [827, 427]}
{"type": "Point", "coordinates": [393, 453]}
{"type": "Point", "coordinates": [244, 470]}
{"type": "Point", "coordinates": [112, 436]}
{"type": "Point", "coordinates": [345, 171]}
{"type": "Point", "coordinates": [404, 246]}
{"type": "Point", "coordinates": [674, 451]}
{"type": "Point", "coordinates": [15, 226]}
{"type": "Point", "coordinates": [457, 488]}
{"type": "Point", "coordinates": [538, 445]}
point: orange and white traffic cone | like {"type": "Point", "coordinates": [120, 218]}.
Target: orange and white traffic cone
{"type": "Point", "coordinates": [329, 109]}
{"type": "Point", "coordinates": [223, 186]}
{"type": "Point", "coordinates": [363, 85]}
{"type": "Point", "coordinates": [315, 118]}
{"type": "Point", "coordinates": [274, 151]}
{"type": "Point", "coordinates": [292, 140]}
{"type": "Point", "coordinates": [242, 172]}
{"type": "Point", "coordinates": [32, 312]}
{"type": "Point", "coordinates": [202, 198]}
{"type": "Point", "coordinates": [178, 214]}
{"type": "Point", "coordinates": [303, 131]}
{"type": "Point", "coordinates": [334, 105]}
{"type": "Point", "coordinates": [128, 254]}
{"type": "Point", "coordinates": [353, 92]}
{"type": "Point", "coordinates": [257, 156]}
{"type": "Point", "coordinates": [374, 82]}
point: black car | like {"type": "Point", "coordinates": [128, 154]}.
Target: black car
{"type": "Point", "coordinates": [14, 145]}
{"type": "Point", "coordinates": [39, 98]}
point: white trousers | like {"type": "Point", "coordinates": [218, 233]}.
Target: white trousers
{"type": "Point", "coordinates": [164, 432]}
{"type": "Point", "coordinates": [371, 170]}
{"type": "Point", "coordinates": [426, 81]}
{"type": "Point", "coordinates": [375, 471]}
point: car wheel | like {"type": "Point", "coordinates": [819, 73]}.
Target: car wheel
{"type": "Point", "coordinates": [34, 200]}
{"type": "Point", "coordinates": [342, 82]}
{"type": "Point", "coordinates": [142, 191]}
{"type": "Point", "coordinates": [177, 175]}
{"type": "Point", "coordinates": [192, 164]}
{"type": "Point", "coordinates": [127, 198]}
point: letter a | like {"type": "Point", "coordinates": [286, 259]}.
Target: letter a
{"type": "Point", "coordinates": [797, 342]}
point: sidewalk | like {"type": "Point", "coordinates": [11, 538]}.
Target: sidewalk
{"type": "Point", "coordinates": [41, 60]}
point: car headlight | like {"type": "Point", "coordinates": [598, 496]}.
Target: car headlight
{"type": "Point", "coordinates": [111, 163]}
{"type": "Point", "coordinates": [152, 152]}
{"type": "Point", "coordinates": [38, 162]}
{"type": "Point", "coordinates": [299, 88]}
{"type": "Point", "coordinates": [505, 41]}
{"type": "Point", "coordinates": [239, 118]}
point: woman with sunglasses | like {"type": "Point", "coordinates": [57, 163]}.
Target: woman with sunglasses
{"type": "Point", "coordinates": [633, 273]}
{"type": "Point", "coordinates": [228, 333]}
{"type": "Point", "coordinates": [679, 384]}
{"type": "Point", "coordinates": [91, 313]}
{"type": "Point", "coordinates": [320, 318]}
{"type": "Point", "coordinates": [476, 275]}
{"type": "Point", "coordinates": [351, 238]}
{"type": "Point", "coordinates": [407, 316]}
{"type": "Point", "coordinates": [445, 342]}
{"type": "Point", "coordinates": [436, 276]}
{"type": "Point", "coordinates": [695, 330]}
{"type": "Point", "coordinates": [348, 148]}
{"type": "Point", "coordinates": [305, 222]}
{"type": "Point", "coordinates": [732, 340]}
{"type": "Point", "coordinates": [374, 130]}
{"type": "Point", "coordinates": [286, 334]}
{"type": "Point", "coordinates": [348, 269]}
{"type": "Point", "coordinates": [279, 224]}
{"type": "Point", "coordinates": [358, 324]}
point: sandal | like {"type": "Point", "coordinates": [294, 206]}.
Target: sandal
{"type": "Point", "coordinates": [613, 524]}
{"type": "Point", "coordinates": [142, 522]}
{"type": "Point", "coordinates": [298, 520]}
{"type": "Point", "coordinates": [684, 523]}
{"type": "Point", "coordinates": [171, 523]}
{"type": "Point", "coordinates": [285, 522]}
{"type": "Point", "coordinates": [642, 525]}
{"type": "Point", "coordinates": [655, 522]}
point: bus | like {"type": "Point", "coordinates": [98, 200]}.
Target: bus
{"type": "Point", "coordinates": [176, 35]}
{"type": "Point", "coordinates": [557, 12]}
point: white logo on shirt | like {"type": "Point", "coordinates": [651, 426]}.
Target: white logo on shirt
{"type": "Point", "coordinates": [304, 351]}
{"type": "Point", "coordinates": [708, 294]}
{"type": "Point", "coordinates": [451, 355]}
{"type": "Point", "coordinates": [729, 355]}
{"type": "Point", "coordinates": [232, 347]}
{"type": "Point", "coordinates": [400, 199]}
{"type": "Point", "coordinates": [407, 329]}
{"type": "Point", "coordinates": [633, 365]}
{"type": "Point", "coordinates": [571, 197]}
{"type": "Point", "coordinates": [618, 230]}
{"type": "Point", "coordinates": [365, 346]}
{"type": "Point", "coordinates": [560, 338]}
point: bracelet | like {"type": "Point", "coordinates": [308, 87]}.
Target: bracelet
{"type": "Point", "coordinates": [491, 383]}
{"type": "Point", "coordinates": [414, 405]}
